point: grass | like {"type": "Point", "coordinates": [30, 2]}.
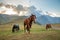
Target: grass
{"type": "Point", "coordinates": [38, 32]}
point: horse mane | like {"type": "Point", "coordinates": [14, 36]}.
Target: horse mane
{"type": "Point", "coordinates": [30, 18]}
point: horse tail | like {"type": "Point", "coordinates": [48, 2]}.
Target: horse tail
{"type": "Point", "coordinates": [24, 27]}
{"type": "Point", "coordinates": [47, 26]}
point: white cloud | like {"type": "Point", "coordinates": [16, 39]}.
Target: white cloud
{"type": "Point", "coordinates": [17, 2]}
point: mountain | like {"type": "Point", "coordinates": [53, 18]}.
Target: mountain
{"type": "Point", "coordinates": [7, 18]}
{"type": "Point", "coordinates": [43, 17]}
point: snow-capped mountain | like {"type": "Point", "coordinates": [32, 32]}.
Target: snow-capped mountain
{"type": "Point", "coordinates": [51, 14]}
{"type": "Point", "coordinates": [44, 17]}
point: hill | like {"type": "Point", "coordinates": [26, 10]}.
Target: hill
{"type": "Point", "coordinates": [38, 32]}
{"type": "Point", "coordinates": [44, 17]}
{"type": "Point", "coordinates": [9, 18]}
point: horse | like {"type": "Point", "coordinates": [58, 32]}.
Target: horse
{"type": "Point", "coordinates": [15, 27]}
{"type": "Point", "coordinates": [28, 23]}
{"type": "Point", "coordinates": [48, 26]}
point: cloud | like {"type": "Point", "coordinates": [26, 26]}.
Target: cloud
{"type": "Point", "coordinates": [16, 2]}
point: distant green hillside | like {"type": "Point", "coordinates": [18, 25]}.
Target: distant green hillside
{"type": "Point", "coordinates": [9, 18]}
{"type": "Point", "coordinates": [38, 32]}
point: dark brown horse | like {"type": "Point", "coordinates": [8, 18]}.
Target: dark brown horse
{"type": "Point", "coordinates": [28, 23]}
{"type": "Point", "coordinates": [48, 26]}
{"type": "Point", "coordinates": [15, 28]}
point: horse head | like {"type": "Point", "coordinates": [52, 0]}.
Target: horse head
{"type": "Point", "coordinates": [33, 17]}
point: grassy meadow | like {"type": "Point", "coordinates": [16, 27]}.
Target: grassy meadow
{"type": "Point", "coordinates": [38, 32]}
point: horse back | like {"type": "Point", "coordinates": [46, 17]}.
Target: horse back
{"type": "Point", "coordinates": [48, 25]}
{"type": "Point", "coordinates": [26, 21]}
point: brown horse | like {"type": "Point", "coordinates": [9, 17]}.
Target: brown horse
{"type": "Point", "coordinates": [28, 23]}
{"type": "Point", "coordinates": [48, 26]}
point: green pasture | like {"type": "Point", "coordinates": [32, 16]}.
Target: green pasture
{"type": "Point", "coordinates": [38, 32]}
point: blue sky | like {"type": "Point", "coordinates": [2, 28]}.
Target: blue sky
{"type": "Point", "coordinates": [45, 5]}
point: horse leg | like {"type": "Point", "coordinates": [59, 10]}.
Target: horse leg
{"type": "Point", "coordinates": [24, 28]}
{"type": "Point", "coordinates": [30, 25]}
{"type": "Point", "coordinates": [28, 28]}
{"type": "Point", "coordinates": [17, 29]}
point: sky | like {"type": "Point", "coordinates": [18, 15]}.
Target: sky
{"type": "Point", "coordinates": [45, 5]}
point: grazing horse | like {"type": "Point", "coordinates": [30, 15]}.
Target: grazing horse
{"type": "Point", "coordinates": [28, 23]}
{"type": "Point", "coordinates": [48, 26]}
{"type": "Point", "coordinates": [15, 27]}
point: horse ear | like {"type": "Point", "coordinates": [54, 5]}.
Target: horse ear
{"type": "Point", "coordinates": [31, 14]}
